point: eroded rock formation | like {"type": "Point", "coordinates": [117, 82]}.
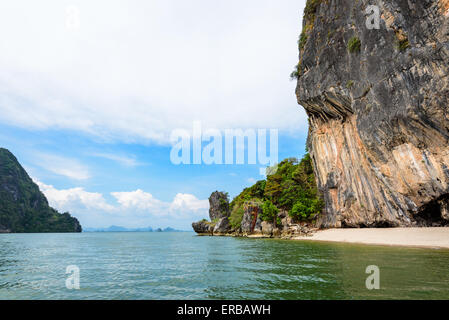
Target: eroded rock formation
{"type": "Point", "coordinates": [378, 102]}
{"type": "Point", "coordinates": [218, 214]}
{"type": "Point", "coordinates": [251, 222]}
{"type": "Point", "coordinates": [218, 205]}
{"type": "Point", "coordinates": [203, 227]}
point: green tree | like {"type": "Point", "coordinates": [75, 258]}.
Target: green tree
{"type": "Point", "coordinates": [235, 219]}
{"type": "Point", "coordinates": [306, 208]}
{"type": "Point", "coordinates": [269, 211]}
{"type": "Point", "coordinates": [290, 185]}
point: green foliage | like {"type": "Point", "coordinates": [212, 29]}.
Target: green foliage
{"type": "Point", "coordinates": [311, 9]}
{"type": "Point", "coordinates": [224, 203]}
{"type": "Point", "coordinates": [309, 19]}
{"type": "Point", "coordinates": [296, 72]}
{"type": "Point", "coordinates": [290, 183]}
{"type": "Point", "coordinates": [254, 202]}
{"type": "Point", "coordinates": [237, 204]}
{"type": "Point", "coordinates": [269, 211]}
{"type": "Point", "coordinates": [278, 221]}
{"type": "Point", "coordinates": [235, 219]}
{"type": "Point", "coordinates": [302, 40]}
{"type": "Point", "coordinates": [349, 84]}
{"type": "Point", "coordinates": [254, 192]}
{"type": "Point", "coordinates": [354, 45]}
{"type": "Point", "coordinates": [23, 208]}
{"type": "Point", "coordinates": [294, 182]}
{"type": "Point", "coordinates": [280, 187]}
{"type": "Point", "coordinates": [403, 44]}
{"type": "Point", "coordinates": [306, 208]}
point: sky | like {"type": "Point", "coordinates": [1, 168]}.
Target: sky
{"type": "Point", "coordinates": [93, 92]}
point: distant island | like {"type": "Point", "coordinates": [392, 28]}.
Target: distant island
{"type": "Point", "coordinates": [23, 207]}
{"type": "Point", "coordinates": [123, 229]}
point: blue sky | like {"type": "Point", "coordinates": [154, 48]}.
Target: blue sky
{"type": "Point", "coordinates": [88, 105]}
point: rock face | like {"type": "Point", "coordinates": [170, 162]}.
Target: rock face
{"type": "Point", "coordinates": [286, 220]}
{"type": "Point", "coordinates": [378, 107]}
{"type": "Point", "coordinates": [218, 214]}
{"type": "Point", "coordinates": [251, 222]}
{"type": "Point", "coordinates": [222, 226]}
{"type": "Point", "coordinates": [23, 208]}
{"type": "Point", "coordinates": [267, 228]}
{"type": "Point", "coordinates": [202, 227]}
{"type": "Point", "coordinates": [218, 205]}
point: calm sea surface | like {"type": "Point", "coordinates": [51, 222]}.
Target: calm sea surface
{"type": "Point", "coordinates": [185, 266]}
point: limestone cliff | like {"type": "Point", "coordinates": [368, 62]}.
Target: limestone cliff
{"type": "Point", "coordinates": [378, 102]}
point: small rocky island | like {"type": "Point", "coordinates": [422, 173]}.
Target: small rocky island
{"type": "Point", "coordinates": [285, 205]}
{"type": "Point", "coordinates": [23, 207]}
{"type": "Point", "coordinates": [252, 224]}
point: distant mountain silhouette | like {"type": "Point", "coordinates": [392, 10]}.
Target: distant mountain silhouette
{"type": "Point", "coordinates": [123, 229]}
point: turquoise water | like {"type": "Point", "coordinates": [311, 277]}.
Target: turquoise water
{"type": "Point", "coordinates": [185, 266]}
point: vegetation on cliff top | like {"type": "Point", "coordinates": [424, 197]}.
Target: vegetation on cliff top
{"type": "Point", "coordinates": [23, 208]}
{"type": "Point", "coordinates": [291, 187]}
{"type": "Point", "coordinates": [310, 11]}
{"type": "Point", "coordinates": [308, 20]}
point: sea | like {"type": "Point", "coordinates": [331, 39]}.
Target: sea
{"type": "Point", "coordinates": [182, 265]}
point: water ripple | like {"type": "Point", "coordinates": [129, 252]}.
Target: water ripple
{"type": "Point", "coordinates": [184, 266]}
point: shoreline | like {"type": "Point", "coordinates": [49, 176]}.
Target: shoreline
{"type": "Point", "coordinates": [418, 237]}
{"type": "Point", "coordinates": [427, 237]}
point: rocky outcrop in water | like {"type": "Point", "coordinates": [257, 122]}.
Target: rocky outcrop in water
{"type": "Point", "coordinates": [218, 214]}
{"type": "Point", "coordinates": [23, 208]}
{"type": "Point", "coordinates": [251, 224]}
{"type": "Point", "coordinates": [378, 102]}
{"type": "Point", "coordinates": [222, 226]}
{"type": "Point", "coordinates": [218, 205]}
{"type": "Point", "coordinates": [203, 227]}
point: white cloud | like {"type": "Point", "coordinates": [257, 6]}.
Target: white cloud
{"type": "Point", "coordinates": [132, 209]}
{"type": "Point", "coordinates": [136, 70]}
{"type": "Point", "coordinates": [124, 160]}
{"type": "Point", "coordinates": [184, 203]}
{"type": "Point", "coordinates": [73, 199]}
{"type": "Point", "coordinates": [138, 200]}
{"type": "Point", "coordinates": [62, 166]}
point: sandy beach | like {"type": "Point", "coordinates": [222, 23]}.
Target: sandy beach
{"type": "Point", "coordinates": [413, 237]}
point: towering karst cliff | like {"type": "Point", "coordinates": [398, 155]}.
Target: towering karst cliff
{"type": "Point", "coordinates": [23, 208]}
{"type": "Point", "coordinates": [378, 107]}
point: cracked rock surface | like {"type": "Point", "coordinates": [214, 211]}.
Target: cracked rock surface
{"type": "Point", "coordinates": [379, 116]}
